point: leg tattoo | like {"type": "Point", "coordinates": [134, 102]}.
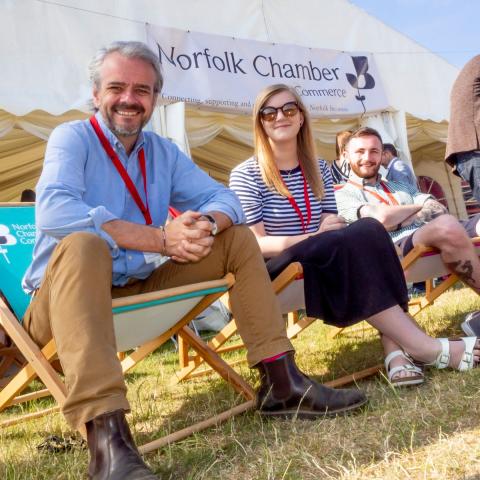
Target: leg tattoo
{"type": "Point", "coordinates": [464, 270]}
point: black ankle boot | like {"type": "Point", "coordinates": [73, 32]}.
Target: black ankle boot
{"type": "Point", "coordinates": [113, 454]}
{"type": "Point", "coordinates": [285, 391]}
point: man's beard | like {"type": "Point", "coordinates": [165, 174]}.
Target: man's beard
{"type": "Point", "coordinates": [360, 174]}
{"type": "Point", "coordinates": [124, 132]}
{"type": "Point", "coordinates": [120, 131]}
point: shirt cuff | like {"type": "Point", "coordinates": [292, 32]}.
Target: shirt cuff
{"type": "Point", "coordinates": [99, 216]}
{"type": "Point", "coordinates": [236, 216]}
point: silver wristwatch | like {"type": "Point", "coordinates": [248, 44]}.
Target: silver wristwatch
{"type": "Point", "coordinates": [212, 220]}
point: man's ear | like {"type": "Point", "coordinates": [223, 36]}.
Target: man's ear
{"type": "Point", "coordinates": [95, 98]}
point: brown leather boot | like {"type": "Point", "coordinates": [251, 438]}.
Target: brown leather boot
{"type": "Point", "coordinates": [287, 392]}
{"type": "Point", "coordinates": [113, 454]}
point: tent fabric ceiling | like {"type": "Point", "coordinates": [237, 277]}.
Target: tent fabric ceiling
{"type": "Point", "coordinates": [50, 72]}
{"type": "Point", "coordinates": [46, 80]}
{"type": "Point", "coordinates": [424, 132]}
{"type": "Point", "coordinates": [218, 142]}
{"type": "Point", "coordinates": [21, 159]}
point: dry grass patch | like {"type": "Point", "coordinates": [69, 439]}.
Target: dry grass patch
{"type": "Point", "coordinates": [427, 432]}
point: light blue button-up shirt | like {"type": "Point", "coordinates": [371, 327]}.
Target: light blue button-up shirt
{"type": "Point", "coordinates": [80, 189]}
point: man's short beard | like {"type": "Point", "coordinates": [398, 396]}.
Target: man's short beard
{"type": "Point", "coordinates": [358, 174]}
{"type": "Point", "coordinates": [123, 132]}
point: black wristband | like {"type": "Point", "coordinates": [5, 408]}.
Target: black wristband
{"type": "Point", "coordinates": [399, 226]}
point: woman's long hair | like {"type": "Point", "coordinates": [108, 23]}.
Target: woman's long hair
{"type": "Point", "coordinates": [305, 146]}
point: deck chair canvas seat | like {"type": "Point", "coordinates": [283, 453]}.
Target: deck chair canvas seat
{"type": "Point", "coordinates": [424, 264]}
{"type": "Point", "coordinates": [142, 322]}
{"type": "Point", "coordinates": [289, 287]}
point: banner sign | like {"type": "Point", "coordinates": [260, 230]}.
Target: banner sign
{"type": "Point", "coordinates": [17, 238]}
{"type": "Point", "coordinates": [226, 73]}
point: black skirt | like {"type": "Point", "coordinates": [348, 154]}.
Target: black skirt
{"type": "Point", "coordinates": [349, 274]}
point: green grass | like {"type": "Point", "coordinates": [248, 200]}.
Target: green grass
{"type": "Point", "coordinates": [426, 432]}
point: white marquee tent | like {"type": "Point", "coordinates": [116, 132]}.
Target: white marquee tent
{"type": "Point", "coordinates": [46, 45]}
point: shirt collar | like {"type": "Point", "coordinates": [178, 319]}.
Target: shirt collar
{"type": "Point", "coordinates": [112, 138]}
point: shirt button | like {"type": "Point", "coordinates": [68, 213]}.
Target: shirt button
{"type": "Point", "coordinates": [129, 257]}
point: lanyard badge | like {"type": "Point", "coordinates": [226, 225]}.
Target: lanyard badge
{"type": "Point", "coordinates": [295, 206]}
{"type": "Point", "coordinates": [123, 172]}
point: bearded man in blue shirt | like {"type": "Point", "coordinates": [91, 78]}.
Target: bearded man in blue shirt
{"type": "Point", "coordinates": [102, 202]}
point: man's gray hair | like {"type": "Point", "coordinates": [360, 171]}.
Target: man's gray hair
{"type": "Point", "coordinates": [129, 49]}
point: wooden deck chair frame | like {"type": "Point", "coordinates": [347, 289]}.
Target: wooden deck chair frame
{"type": "Point", "coordinates": [290, 292]}
{"type": "Point", "coordinates": [11, 358]}
{"type": "Point", "coordinates": [193, 299]}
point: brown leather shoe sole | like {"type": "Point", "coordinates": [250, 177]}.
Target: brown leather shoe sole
{"type": "Point", "coordinates": [309, 415]}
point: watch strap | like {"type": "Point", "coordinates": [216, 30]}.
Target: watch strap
{"type": "Point", "coordinates": [212, 220]}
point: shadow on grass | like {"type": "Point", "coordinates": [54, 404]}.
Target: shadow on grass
{"type": "Point", "coordinates": [208, 397]}
{"type": "Point", "coordinates": [395, 421]}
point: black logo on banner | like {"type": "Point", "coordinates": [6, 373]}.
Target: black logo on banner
{"type": "Point", "coordinates": [362, 80]}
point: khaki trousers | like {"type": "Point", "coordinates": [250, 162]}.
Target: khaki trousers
{"type": "Point", "coordinates": [73, 305]}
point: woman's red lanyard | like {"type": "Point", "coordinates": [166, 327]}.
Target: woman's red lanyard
{"type": "Point", "coordinates": [123, 173]}
{"type": "Point", "coordinates": [295, 206]}
{"type": "Point", "coordinates": [393, 200]}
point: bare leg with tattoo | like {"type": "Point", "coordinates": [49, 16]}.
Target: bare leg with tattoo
{"type": "Point", "coordinates": [456, 249]}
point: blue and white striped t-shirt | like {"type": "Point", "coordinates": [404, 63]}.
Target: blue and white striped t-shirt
{"type": "Point", "coordinates": [278, 215]}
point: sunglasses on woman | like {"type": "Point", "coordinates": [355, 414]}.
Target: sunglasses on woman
{"type": "Point", "coordinates": [269, 114]}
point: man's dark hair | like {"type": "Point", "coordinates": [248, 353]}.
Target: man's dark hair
{"type": "Point", "coordinates": [28, 195]}
{"type": "Point", "coordinates": [363, 132]}
{"type": "Point", "coordinates": [388, 147]}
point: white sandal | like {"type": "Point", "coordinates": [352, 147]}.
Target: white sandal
{"type": "Point", "coordinates": [466, 363]}
{"type": "Point", "coordinates": [409, 367]}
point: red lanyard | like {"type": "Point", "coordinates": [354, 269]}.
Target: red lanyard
{"type": "Point", "coordinates": [393, 200]}
{"type": "Point", "coordinates": [123, 173]}
{"type": "Point", "coordinates": [295, 206]}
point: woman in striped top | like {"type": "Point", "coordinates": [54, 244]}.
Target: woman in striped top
{"type": "Point", "coordinates": [351, 273]}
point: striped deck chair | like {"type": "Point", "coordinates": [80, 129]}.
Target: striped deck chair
{"type": "Point", "coordinates": [155, 316]}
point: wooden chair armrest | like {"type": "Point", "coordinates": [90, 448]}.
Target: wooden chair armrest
{"type": "Point", "coordinates": [214, 285]}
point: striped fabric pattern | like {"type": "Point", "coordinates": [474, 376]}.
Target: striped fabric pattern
{"type": "Point", "coordinates": [279, 217]}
